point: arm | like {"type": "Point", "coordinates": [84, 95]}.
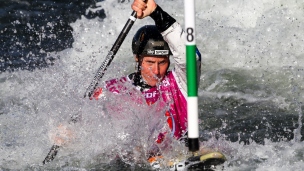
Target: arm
{"type": "Point", "coordinates": [172, 33]}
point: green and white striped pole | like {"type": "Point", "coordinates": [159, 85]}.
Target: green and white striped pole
{"type": "Point", "coordinates": [192, 100]}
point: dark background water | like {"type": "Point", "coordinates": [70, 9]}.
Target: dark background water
{"type": "Point", "coordinates": [32, 28]}
{"type": "Point", "coordinates": [247, 122]}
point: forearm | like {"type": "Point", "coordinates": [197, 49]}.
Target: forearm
{"type": "Point", "coordinates": [162, 19]}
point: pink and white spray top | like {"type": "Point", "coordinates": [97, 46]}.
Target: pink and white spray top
{"type": "Point", "coordinates": [168, 92]}
{"type": "Point", "coordinates": [172, 88]}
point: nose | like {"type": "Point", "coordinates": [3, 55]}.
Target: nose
{"type": "Point", "coordinates": [155, 69]}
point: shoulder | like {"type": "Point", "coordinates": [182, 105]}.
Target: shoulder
{"type": "Point", "coordinates": [114, 85]}
{"type": "Point", "coordinates": [117, 85]}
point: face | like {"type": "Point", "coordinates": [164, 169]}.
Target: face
{"type": "Point", "coordinates": [153, 69]}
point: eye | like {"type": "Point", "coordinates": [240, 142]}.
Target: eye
{"type": "Point", "coordinates": [150, 62]}
{"type": "Point", "coordinates": [162, 63]}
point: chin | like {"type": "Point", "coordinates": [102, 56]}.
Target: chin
{"type": "Point", "coordinates": [153, 83]}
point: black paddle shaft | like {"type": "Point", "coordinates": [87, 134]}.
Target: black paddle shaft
{"type": "Point", "coordinates": [111, 55]}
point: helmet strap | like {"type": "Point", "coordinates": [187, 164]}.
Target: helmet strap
{"type": "Point", "coordinates": [138, 59]}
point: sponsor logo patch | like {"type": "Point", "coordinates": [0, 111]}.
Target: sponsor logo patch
{"type": "Point", "coordinates": [161, 52]}
{"type": "Point", "coordinates": [151, 52]}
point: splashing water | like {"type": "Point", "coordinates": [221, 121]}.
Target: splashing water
{"type": "Point", "coordinates": [250, 94]}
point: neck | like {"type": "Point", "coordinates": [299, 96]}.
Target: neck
{"type": "Point", "coordinates": [139, 81]}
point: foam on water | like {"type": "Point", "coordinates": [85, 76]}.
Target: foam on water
{"type": "Point", "coordinates": [252, 51]}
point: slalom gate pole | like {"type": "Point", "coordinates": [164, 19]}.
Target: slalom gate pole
{"type": "Point", "coordinates": [192, 82]}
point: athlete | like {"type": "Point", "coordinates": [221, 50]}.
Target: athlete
{"type": "Point", "coordinates": [152, 45]}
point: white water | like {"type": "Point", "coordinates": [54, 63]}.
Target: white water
{"type": "Point", "coordinates": [260, 40]}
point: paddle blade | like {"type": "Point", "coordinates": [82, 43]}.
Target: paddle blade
{"type": "Point", "coordinates": [52, 154]}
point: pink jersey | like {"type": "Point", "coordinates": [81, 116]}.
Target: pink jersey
{"type": "Point", "coordinates": [170, 93]}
